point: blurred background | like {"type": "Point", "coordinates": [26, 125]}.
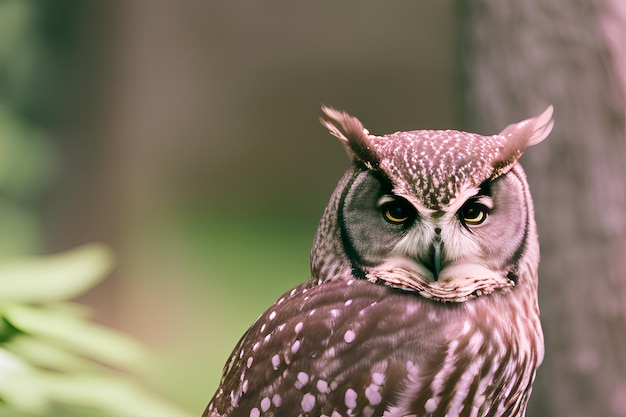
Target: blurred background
{"type": "Point", "coordinates": [185, 135]}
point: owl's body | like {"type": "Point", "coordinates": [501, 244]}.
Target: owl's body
{"type": "Point", "coordinates": [423, 296]}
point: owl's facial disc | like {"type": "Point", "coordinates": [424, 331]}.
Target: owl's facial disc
{"type": "Point", "coordinates": [453, 254]}
{"type": "Point", "coordinates": [439, 257]}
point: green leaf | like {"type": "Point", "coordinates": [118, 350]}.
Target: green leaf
{"type": "Point", "coordinates": [11, 364]}
{"type": "Point", "coordinates": [13, 370]}
{"type": "Point", "coordinates": [111, 395]}
{"type": "Point", "coordinates": [55, 277]}
{"type": "Point", "coordinates": [76, 335]}
{"type": "Point", "coordinates": [42, 354]}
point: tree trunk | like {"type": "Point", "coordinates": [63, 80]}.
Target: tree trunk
{"type": "Point", "coordinates": [522, 56]}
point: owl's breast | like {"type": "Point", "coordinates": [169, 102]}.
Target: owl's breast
{"type": "Point", "coordinates": [350, 347]}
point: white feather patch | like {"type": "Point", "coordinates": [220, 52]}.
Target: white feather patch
{"type": "Point", "coordinates": [457, 282]}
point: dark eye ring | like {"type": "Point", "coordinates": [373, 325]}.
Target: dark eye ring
{"type": "Point", "coordinates": [474, 213]}
{"type": "Point", "coordinates": [398, 211]}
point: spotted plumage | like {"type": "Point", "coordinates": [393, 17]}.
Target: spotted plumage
{"type": "Point", "coordinates": [422, 300]}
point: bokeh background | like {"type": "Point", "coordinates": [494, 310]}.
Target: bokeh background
{"type": "Point", "coordinates": [185, 135]}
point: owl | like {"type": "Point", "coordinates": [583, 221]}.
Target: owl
{"type": "Point", "coordinates": [422, 299]}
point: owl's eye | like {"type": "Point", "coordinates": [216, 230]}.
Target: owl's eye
{"type": "Point", "coordinates": [397, 210]}
{"type": "Point", "coordinates": [473, 213]}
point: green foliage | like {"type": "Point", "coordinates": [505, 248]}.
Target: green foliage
{"type": "Point", "coordinates": [53, 360]}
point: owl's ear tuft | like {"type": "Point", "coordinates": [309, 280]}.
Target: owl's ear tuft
{"type": "Point", "coordinates": [530, 131]}
{"type": "Point", "coordinates": [520, 135]}
{"type": "Point", "coordinates": [350, 131]}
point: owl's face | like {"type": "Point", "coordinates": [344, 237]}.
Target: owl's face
{"type": "Point", "coordinates": [457, 251]}
{"type": "Point", "coordinates": [446, 214]}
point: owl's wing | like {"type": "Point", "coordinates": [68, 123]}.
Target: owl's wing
{"type": "Point", "coordinates": [346, 347]}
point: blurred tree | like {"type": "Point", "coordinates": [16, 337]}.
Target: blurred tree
{"type": "Point", "coordinates": [523, 56]}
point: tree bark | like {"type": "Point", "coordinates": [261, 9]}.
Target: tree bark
{"type": "Point", "coordinates": [521, 56]}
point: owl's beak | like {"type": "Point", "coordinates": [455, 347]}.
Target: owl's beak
{"type": "Point", "coordinates": [436, 249]}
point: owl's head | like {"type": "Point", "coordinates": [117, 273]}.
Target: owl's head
{"type": "Point", "coordinates": [446, 213]}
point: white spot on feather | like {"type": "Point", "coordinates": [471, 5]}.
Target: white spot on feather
{"type": "Point", "coordinates": [368, 411]}
{"type": "Point", "coordinates": [308, 402]}
{"type": "Point", "coordinates": [350, 398]}
{"type": "Point", "coordinates": [431, 405]}
{"type": "Point", "coordinates": [265, 404]}
{"type": "Point", "coordinates": [411, 368]}
{"type": "Point", "coordinates": [275, 361]}
{"type": "Point", "coordinates": [373, 395]}
{"type": "Point", "coordinates": [378, 378]}
{"type": "Point", "coordinates": [303, 378]}
{"type": "Point", "coordinates": [322, 386]}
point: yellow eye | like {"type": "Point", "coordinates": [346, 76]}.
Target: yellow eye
{"type": "Point", "coordinates": [398, 211]}
{"type": "Point", "coordinates": [474, 213]}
